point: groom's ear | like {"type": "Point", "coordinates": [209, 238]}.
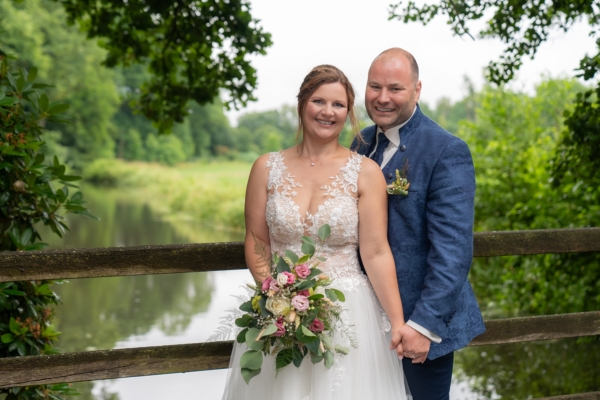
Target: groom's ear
{"type": "Point", "coordinates": [417, 91]}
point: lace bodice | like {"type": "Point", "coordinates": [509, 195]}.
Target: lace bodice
{"type": "Point", "coordinates": [339, 210]}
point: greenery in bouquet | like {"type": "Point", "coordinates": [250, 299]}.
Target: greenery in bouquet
{"type": "Point", "coordinates": [292, 314]}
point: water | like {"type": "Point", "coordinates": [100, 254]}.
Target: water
{"type": "Point", "coordinates": [154, 310]}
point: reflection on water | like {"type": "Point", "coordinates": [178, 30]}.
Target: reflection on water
{"type": "Point", "coordinates": [97, 313]}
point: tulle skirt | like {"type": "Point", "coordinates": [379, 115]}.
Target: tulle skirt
{"type": "Point", "coordinates": [370, 371]}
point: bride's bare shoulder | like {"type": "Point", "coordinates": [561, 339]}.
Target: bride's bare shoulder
{"type": "Point", "coordinates": [370, 175]}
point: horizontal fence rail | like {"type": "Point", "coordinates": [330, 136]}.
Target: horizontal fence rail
{"type": "Point", "coordinates": [122, 363]}
{"type": "Point", "coordinates": [144, 260]}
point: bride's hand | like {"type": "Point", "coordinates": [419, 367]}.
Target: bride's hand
{"type": "Point", "coordinates": [396, 342]}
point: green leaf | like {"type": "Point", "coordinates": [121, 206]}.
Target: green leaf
{"type": "Point", "coordinates": [292, 256]}
{"type": "Point", "coordinates": [313, 273]}
{"type": "Point", "coordinates": [340, 296]}
{"type": "Point", "coordinates": [298, 356]}
{"type": "Point", "coordinates": [327, 341]}
{"type": "Point", "coordinates": [324, 232]}
{"type": "Point", "coordinates": [282, 266]}
{"type": "Point", "coordinates": [26, 236]}
{"type": "Point", "coordinates": [251, 341]}
{"type": "Point", "coordinates": [241, 337]}
{"type": "Point", "coordinates": [306, 239]}
{"type": "Point", "coordinates": [308, 249]}
{"type": "Point", "coordinates": [263, 307]}
{"type": "Point", "coordinates": [315, 358]}
{"type": "Point", "coordinates": [284, 358]}
{"type": "Point", "coordinates": [304, 259]}
{"type": "Point", "coordinates": [331, 294]}
{"type": "Point", "coordinates": [8, 101]}
{"type": "Point", "coordinates": [248, 374]}
{"type": "Point", "coordinates": [7, 338]}
{"type": "Point", "coordinates": [251, 359]}
{"type": "Point", "coordinates": [247, 306]}
{"type": "Point", "coordinates": [21, 348]}
{"type": "Point", "coordinates": [328, 359]}
{"type": "Point", "coordinates": [70, 178]}
{"type": "Point", "coordinates": [315, 297]}
{"type": "Point", "coordinates": [322, 259]}
{"type": "Point", "coordinates": [314, 347]}
{"type": "Point", "coordinates": [44, 103]}
{"type": "Point", "coordinates": [243, 321]}
{"type": "Point", "coordinates": [15, 292]}
{"type": "Point", "coordinates": [306, 284]}
{"type": "Point", "coordinates": [305, 338]}
{"type": "Point", "coordinates": [58, 108]}
{"type": "Point", "coordinates": [341, 349]}
{"type": "Point", "coordinates": [32, 74]}
{"type": "Point", "coordinates": [307, 332]}
{"type": "Point", "coordinates": [271, 329]}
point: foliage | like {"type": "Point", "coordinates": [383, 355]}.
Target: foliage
{"type": "Point", "coordinates": [29, 194]}
{"type": "Point", "coordinates": [512, 140]}
{"type": "Point", "coordinates": [207, 192]}
{"type": "Point", "coordinates": [35, 31]}
{"type": "Point", "coordinates": [523, 26]}
{"type": "Point", "coordinates": [192, 48]}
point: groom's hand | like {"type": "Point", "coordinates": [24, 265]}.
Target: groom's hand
{"type": "Point", "coordinates": [415, 345]}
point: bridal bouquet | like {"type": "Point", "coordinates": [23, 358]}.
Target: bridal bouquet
{"type": "Point", "coordinates": [293, 313]}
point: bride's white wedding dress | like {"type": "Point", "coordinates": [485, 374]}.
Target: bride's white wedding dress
{"type": "Point", "coordinates": [369, 371]}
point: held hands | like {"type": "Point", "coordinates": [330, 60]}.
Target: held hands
{"type": "Point", "coordinates": [413, 345]}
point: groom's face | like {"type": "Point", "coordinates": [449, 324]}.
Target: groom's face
{"type": "Point", "coordinates": [392, 91]}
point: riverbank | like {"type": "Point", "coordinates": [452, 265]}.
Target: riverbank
{"type": "Point", "coordinates": [208, 192]}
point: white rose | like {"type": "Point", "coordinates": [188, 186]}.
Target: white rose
{"type": "Point", "coordinates": [320, 290]}
{"type": "Point", "coordinates": [282, 280]}
{"type": "Point", "coordinates": [278, 305]}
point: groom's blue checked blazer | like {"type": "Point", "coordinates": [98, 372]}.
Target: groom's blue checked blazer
{"type": "Point", "coordinates": [431, 231]}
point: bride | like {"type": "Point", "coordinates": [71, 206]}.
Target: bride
{"type": "Point", "coordinates": [292, 193]}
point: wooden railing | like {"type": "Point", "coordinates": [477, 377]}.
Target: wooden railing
{"type": "Point", "coordinates": [143, 260]}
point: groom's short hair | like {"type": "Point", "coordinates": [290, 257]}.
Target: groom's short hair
{"type": "Point", "coordinates": [414, 67]}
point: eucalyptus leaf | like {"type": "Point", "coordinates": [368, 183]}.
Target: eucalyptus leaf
{"type": "Point", "coordinates": [282, 266]}
{"type": "Point", "coordinates": [315, 359]}
{"type": "Point", "coordinates": [308, 249]}
{"type": "Point", "coordinates": [241, 337]}
{"type": "Point", "coordinates": [328, 356]}
{"type": "Point", "coordinates": [251, 359]}
{"type": "Point", "coordinates": [248, 374]}
{"type": "Point", "coordinates": [292, 256]}
{"type": "Point", "coordinates": [306, 239]}
{"type": "Point", "coordinates": [251, 341]}
{"type": "Point", "coordinates": [324, 232]}
{"type": "Point", "coordinates": [269, 330]}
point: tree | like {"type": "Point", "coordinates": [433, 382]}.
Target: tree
{"type": "Point", "coordinates": [523, 25]}
{"type": "Point", "coordinates": [193, 49]}
{"type": "Point", "coordinates": [32, 191]}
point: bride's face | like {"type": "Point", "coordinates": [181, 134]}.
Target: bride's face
{"type": "Point", "coordinates": [326, 111]}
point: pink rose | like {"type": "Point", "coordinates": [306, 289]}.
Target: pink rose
{"type": "Point", "coordinates": [274, 286]}
{"type": "Point", "coordinates": [266, 284]}
{"type": "Point", "coordinates": [316, 326]}
{"type": "Point", "coordinates": [300, 303]}
{"type": "Point", "coordinates": [280, 328]}
{"type": "Point", "coordinates": [303, 271]}
{"type": "Point", "coordinates": [304, 293]}
{"type": "Point", "coordinates": [291, 278]}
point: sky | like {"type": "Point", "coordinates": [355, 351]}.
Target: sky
{"type": "Point", "coordinates": [350, 33]}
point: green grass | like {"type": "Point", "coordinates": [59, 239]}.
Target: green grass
{"type": "Point", "coordinates": [209, 192]}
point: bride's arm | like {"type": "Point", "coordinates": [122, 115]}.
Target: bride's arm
{"type": "Point", "coordinates": [373, 242]}
{"type": "Point", "coordinates": [256, 243]}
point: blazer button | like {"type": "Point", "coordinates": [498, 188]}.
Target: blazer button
{"type": "Point", "coordinates": [403, 148]}
{"type": "Point", "coordinates": [390, 175]}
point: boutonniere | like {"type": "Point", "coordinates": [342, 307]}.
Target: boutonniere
{"type": "Point", "coordinates": [401, 185]}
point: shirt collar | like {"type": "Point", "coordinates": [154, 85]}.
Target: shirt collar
{"type": "Point", "coordinates": [393, 134]}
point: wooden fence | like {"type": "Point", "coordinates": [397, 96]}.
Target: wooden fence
{"type": "Point", "coordinates": [143, 260]}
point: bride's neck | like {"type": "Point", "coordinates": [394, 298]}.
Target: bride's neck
{"type": "Point", "coordinates": [319, 151]}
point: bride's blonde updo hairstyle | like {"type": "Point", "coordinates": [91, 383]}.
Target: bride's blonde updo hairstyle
{"type": "Point", "coordinates": [320, 75]}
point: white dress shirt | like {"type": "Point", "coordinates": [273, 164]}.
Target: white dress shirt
{"type": "Point", "coordinates": [393, 135]}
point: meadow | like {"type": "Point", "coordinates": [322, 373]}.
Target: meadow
{"type": "Point", "coordinates": [211, 192]}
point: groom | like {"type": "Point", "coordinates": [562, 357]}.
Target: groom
{"type": "Point", "coordinates": [430, 229]}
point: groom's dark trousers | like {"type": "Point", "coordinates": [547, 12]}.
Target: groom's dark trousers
{"type": "Point", "coordinates": [430, 380]}
{"type": "Point", "coordinates": [430, 232]}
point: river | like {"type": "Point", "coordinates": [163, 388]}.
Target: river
{"type": "Point", "coordinates": [125, 312]}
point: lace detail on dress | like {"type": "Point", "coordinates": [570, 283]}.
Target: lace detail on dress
{"type": "Point", "coordinates": [340, 211]}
